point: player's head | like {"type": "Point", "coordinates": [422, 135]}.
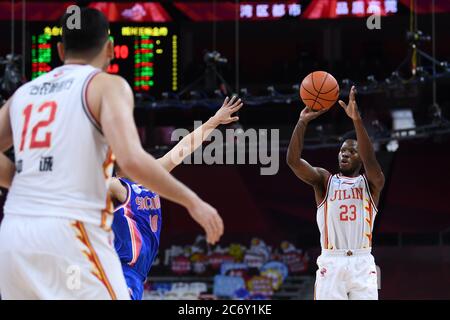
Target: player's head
{"type": "Point", "coordinates": [349, 161]}
{"type": "Point", "coordinates": [88, 41]}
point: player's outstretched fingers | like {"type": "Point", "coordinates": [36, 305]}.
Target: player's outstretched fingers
{"type": "Point", "coordinates": [342, 104]}
{"type": "Point", "coordinates": [209, 236]}
{"type": "Point", "coordinates": [232, 100]}
{"type": "Point", "coordinates": [352, 93]}
{"type": "Point", "coordinates": [236, 106]}
{"type": "Point", "coordinates": [220, 227]}
{"type": "Point", "coordinates": [214, 232]}
{"type": "Point", "coordinates": [217, 226]}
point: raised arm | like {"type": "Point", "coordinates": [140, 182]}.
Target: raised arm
{"type": "Point", "coordinates": [365, 149]}
{"type": "Point", "coordinates": [192, 141]}
{"type": "Point", "coordinates": [111, 99]}
{"type": "Point", "coordinates": [314, 176]}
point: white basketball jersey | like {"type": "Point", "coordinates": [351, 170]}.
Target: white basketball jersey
{"type": "Point", "coordinates": [346, 215]}
{"type": "Point", "coordinates": [63, 162]}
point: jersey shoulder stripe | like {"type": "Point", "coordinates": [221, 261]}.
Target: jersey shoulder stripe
{"type": "Point", "coordinates": [366, 182]}
{"type": "Point", "coordinates": [127, 201]}
{"type": "Point", "coordinates": [84, 102]}
{"type": "Point", "coordinates": [326, 193]}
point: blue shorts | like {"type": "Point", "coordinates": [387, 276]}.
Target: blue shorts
{"type": "Point", "coordinates": [134, 281]}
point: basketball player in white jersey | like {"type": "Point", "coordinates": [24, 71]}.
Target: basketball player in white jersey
{"type": "Point", "coordinates": [65, 126]}
{"type": "Point", "coordinates": [346, 209]}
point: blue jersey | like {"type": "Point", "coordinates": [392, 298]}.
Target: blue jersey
{"type": "Point", "coordinates": [137, 226]}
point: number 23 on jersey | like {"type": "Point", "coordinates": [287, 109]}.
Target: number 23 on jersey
{"type": "Point", "coordinates": [347, 212]}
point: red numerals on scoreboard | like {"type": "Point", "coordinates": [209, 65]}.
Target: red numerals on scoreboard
{"type": "Point", "coordinates": [121, 52]}
{"type": "Point", "coordinates": [35, 143]}
{"type": "Point", "coordinates": [344, 215]}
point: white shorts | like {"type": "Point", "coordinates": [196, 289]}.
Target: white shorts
{"type": "Point", "coordinates": [57, 258]}
{"type": "Point", "coordinates": [345, 276]}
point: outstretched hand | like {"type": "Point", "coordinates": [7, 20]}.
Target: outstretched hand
{"type": "Point", "coordinates": [229, 106]}
{"type": "Point", "coordinates": [307, 114]}
{"type": "Point", "coordinates": [208, 218]}
{"type": "Point", "coordinates": [352, 108]}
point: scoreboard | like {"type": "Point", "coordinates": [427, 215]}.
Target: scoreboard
{"type": "Point", "coordinates": [145, 55]}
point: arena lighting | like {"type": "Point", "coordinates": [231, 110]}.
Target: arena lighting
{"type": "Point", "coordinates": [167, 95]}
{"type": "Point", "coordinates": [142, 97]}
{"type": "Point", "coordinates": [345, 85]}
{"type": "Point", "coordinates": [394, 81]}
{"type": "Point", "coordinates": [147, 100]}
{"type": "Point", "coordinates": [346, 82]}
{"type": "Point", "coordinates": [435, 113]}
{"type": "Point", "coordinates": [392, 145]}
{"type": "Point", "coordinates": [243, 92]}
{"type": "Point", "coordinates": [403, 119]}
{"type": "Point", "coordinates": [445, 65]}
{"type": "Point", "coordinates": [379, 129]}
{"type": "Point", "coordinates": [271, 91]}
{"type": "Point", "coordinates": [214, 57]}
{"type": "Point", "coordinates": [422, 74]}
{"type": "Point", "coordinates": [194, 94]}
{"type": "Point", "coordinates": [416, 37]}
{"type": "Point", "coordinates": [372, 82]}
{"type": "Point", "coordinates": [277, 97]}
{"type": "Point", "coordinates": [218, 93]}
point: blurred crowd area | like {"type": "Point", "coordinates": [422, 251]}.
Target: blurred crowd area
{"type": "Point", "coordinates": [236, 271]}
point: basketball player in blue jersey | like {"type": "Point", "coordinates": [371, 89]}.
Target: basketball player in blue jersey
{"type": "Point", "coordinates": [137, 219]}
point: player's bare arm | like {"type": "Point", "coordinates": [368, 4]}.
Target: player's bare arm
{"type": "Point", "coordinates": [6, 140]}
{"type": "Point", "coordinates": [314, 176]}
{"type": "Point", "coordinates": [365, 149]}
{"type": "Point", "coordinates": [192, 141]}
{"type": "Point", "coordinates": [117, 190]}
{"type": "Point", "coordinates": [111, 101]}
{"type": "Point", "coordinates": [7, 167]}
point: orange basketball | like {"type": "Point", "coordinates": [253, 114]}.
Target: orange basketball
{"type": "Point", "coordinates": [319, 90]}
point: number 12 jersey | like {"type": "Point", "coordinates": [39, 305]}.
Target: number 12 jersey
{"type": "Point", "coordinates": [63, 162]}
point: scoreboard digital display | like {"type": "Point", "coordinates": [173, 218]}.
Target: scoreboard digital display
{"type": "Point", "coordinates": [145, 55]}
{"type": "Point", "coordinates": [269, 10]}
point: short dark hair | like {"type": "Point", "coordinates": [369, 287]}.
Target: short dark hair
{"type": "Point", "coordinates": [89, 39]}
{"type": "Point", "coordinates": [350, 135]}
